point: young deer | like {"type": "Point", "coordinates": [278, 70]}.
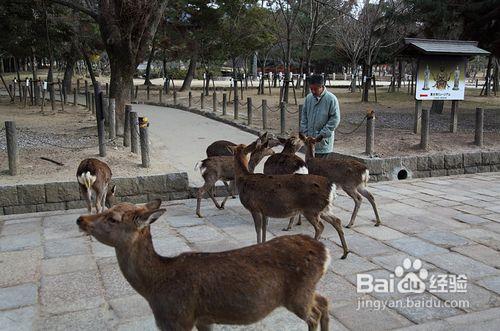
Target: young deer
{"type": "Point", "coordinates": [284, 196]}
{"type": "Point", "coordinates": [220, 148]}
{"type": "Point", "coordinates": [351, 175]}
{"type": "Point", "coordinates": [94, 175]}
{"type": "Point", "coordinates": [238, 287]}
{"type": "Point", "coordinates": [222, 168]}
{"type": "Point", "coordinates": [285, 163]}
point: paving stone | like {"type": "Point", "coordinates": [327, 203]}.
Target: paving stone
{"type": "Point", "coordinates": [380, 232]}
{"type": "Point", "coordinates": [443, 238]}
{"type": "Point", "coordinates": [491, 283]}
{"type": "Point", "coordinates": [184, 220]}
{"type": "Point", "coordinates": [416, 309]}
{"type": "Point", "coordinates": [481, 253]}
{"type": "Point", "coordinates": [459, 264]}
{"type": "Point", "coordinates": [470, 219]}
{"type": "Point", "coordinates": [61, 231]}
{"type": "Point", "coordinates": [20, 242]}
{"type": "Point", "coordinates": [337, 290]}
{"type": "Point", "coordinates": [487, 238]}
{"type": "Point", "coordinates": [23, 209]}
{"type": "Point", "coordinates": [139, 324]}
{"type": "Point", "coordinates": [129, 307]}
{"type": "Point", "coordinates": [71, 292]}
{"type": "Point", "coordinates": [477, 298]}
{"type": "Point", "coordinates": [12, 272]}
{"type": "Point", "coordinates": [493, 226]}
{"type": "Point", "coordinates": [19, 228]}
{"type": "Point", "coordinates": [366, 246]}
{"type": "Point", "coordinates": [216, 246]}
{"type": "Point", "coordinates": [369, 318]}
{"type": "Point", "coordinates": [390, 262]}
{"type": "Point", "coordinates": [18, 296]}
{"type": "Point", "coordinates": [170, 246]}
{"type": "Point", "coordinates": [91, 319]}
{"type": "Point", "coordinates": [200, 233]}
{"type": "Point", "coordinates": [66, 247]}
{"type": "Point", "coordinates": [115, 283]}
{"type": "Point", "coordinates": [473, 208]}
{"type": "Point", "coordinates": [100, 250]}
{"type": "Point", "coordinates": [68, 264]}
{"type": "Point", "coordinates": [22, 319]}
{"type": "Point", "coordinates": [460, 321]}
{"type": "Point", "coordinates": [416, 247]}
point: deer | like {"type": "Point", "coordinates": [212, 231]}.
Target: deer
{"type": "Point", "coordinates": [220, 148]}
{"type": "Point", "coordinates": [284, 196]}
{"type": "Point", "coordinates": [351, 175]}
{"type": "Point", "coordinates": [237, 287]}
{"type": "Point", "coordinates": [94, 175]}
{"type": "Point", "coordinates": [287, 162]}
{"type": "Point", "coordinates": [216, 168]}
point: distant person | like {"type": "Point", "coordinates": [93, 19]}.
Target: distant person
{"type": "Point", "coordinates": [320, 115]}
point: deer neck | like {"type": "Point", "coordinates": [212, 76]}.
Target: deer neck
{"type": "Point", "coordinates": [309, 153]}
{"type": "Point", "coordinates": [140, 264]}
{"type": "Point", "coordinates": [240, 165]}
{"type": "Point", "coordinates": [288, 149]}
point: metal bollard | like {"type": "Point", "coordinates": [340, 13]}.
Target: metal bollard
{"type": "Point", "coordinates": [112, 118]}
{"type": "Point", "coordinates": [224, 104]}
{"type": "Point", "coordinates": [202, 100]}
{"type": "Point", "coordinates": [214, 102]}
{"type": "Point", "coordinates": [282, 117]}
{"type": "Point", "coordinates": [190, 99]}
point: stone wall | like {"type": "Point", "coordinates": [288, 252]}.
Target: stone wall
{"type": "Point", "coordinates": [433, 165]}
{"type": "Point", "coordinates": [32, 198]}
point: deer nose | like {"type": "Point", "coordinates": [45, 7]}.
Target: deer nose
{"type": "Point", "coordinates": [79, 221]}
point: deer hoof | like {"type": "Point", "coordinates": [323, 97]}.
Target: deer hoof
{"type": "Point", "coordinates": [344, 256]}
{"type": "Point", "coordinates": [233, 197]}
{"type": "Point", "coordinates": [348, 226]}
{"type": "Point", "coordinates": [377, 224]}
{"type": "Point", "coordinates": [285, 229]}
{"type": "Point", "coordinates": [199, 215]}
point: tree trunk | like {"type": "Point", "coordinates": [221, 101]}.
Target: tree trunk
{"type": "Point", "coordinates": [353, 78]}
{"type": "Point", "coordinates": [165, 67]}
{"type": "Point", "coordinates": [400, 73]}
{"type": "Point", "coordinates": [495, 75]}
{"type": "Point", "coordinates": [190, 73]}
{"type": "Point", "coordinates": [488, 76]}
{"type": "Point", "coordinates": [367, 78]}
{"type": "Point", "coordinates": [147, 80]}
{"type": "Point", "coordinates": [122, 74]}
{"type": "Point", "coordinates": [68, 76]}
{"type": "Point", "coordinates": [437, 106]}
{"type": "Point", "coordinates": [1, 65]}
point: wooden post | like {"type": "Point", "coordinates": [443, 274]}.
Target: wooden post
{"type": "Point", "coordinates": [75, 98]}
{"type": "Point", "coordinates": [107, 90]}
{"type": "Point", "coordinates": [160, 92]}
{"type": "Point", "coordinates": [190, 99]}
{"type": "Point", "coordinates": [11, 135]}
{"type": "Point", "coordinates": [374, 87]}
{"type": "Point", "coordinates": [134, 132]}
{"type": "Point", "coordinates": [136, 92]}
{"type": "Point", "coordinates": [78, 86]}
{"type": "Point", "coordinates": [370, 132]}
{"type": "Point", "coordinates": [112, 118]}
{"type": "Point", "coordinates": [264, 114]}
{"type": "Point", "coordinates": [424, 138]}
{"type": "Point", "coordinates": [100, 123]}
{"type": "Point", "coordinates": [175, 96]}
{"type": "Point", "coordinates": [282, 117]}
{"type": "Point", "coordinates": [224, 104]}
{"type": "Point", "coordinates": [61, 96]}
{"type": "Point", "coordinates": [87, 95]}
{"type": "Point", "coordinates": [144, 138]}
{"type": "Point", "coordinates": [249, 111]}
{"type": "Point", "coordinates": [202, 100]}
{"type": "Point", "coordinates": [147, 92]}
{"type": "Point", "coordinates": [478, 139]}
{"type": "Point", "coordinates": [235, 104]}
{"type": "Point", "coordinates": [214, 101]}
{"type": "Point", "coordinates": [126, 126]}
{"type": "Point", "coordinates": [25, 99]}
{"type": "Point", "coordinates": [454, 116]}
{"type": "Point", "coordinates": [93, 104]}
{"type": "Point", "coordinates": [417, 124]}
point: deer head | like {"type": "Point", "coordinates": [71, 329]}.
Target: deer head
{"type": "Point", "coordinates": [310, 143]}
{"type": "Point", "coordinates": [121, 225]}
{"type": "Point", "coordinates": [292, 144]}
{"type": "Point", "coordinates": [111, 197]}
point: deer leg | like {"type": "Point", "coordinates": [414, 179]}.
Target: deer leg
{"type": "Point", "coordinates": [207, 187]}
{"type": "Point", "coordinates": [265, 220]}
{"type": "Point", "coordinates": [103, 197]}
{"type": "Point", "coordinates": [229, 188]}
{"type": "Point", "coordinates": [364, 192]}
{"type": "Point", "coordinates": [87, 194]}
{"type": "Point", "coordinates": [299, 221]}
{"type": "Point", "coordinates": [257, 220]}
{"type": "Point", "coordinates": [322, 305]}
{"type": "Point", "coordinates": [353, 193]}
{"type": "Point", "coordinates": [316, 223]}
{"type": "Point", "coordinates": [98, 200]}
{"type": "Point", "coordinates": [290, 223]}
{"type": "Point", "coordinates": [337, 224]}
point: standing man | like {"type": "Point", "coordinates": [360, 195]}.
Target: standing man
{"type": "Point", "coordinates": [320, 115]}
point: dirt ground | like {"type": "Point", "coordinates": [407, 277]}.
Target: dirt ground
{"type": "Point", "coordinates": [394, 119]}
{"type": "Point", "coordinates": [67, 137]}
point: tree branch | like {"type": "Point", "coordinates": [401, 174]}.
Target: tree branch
{"type": "Point", "coordinates": [77, 7]}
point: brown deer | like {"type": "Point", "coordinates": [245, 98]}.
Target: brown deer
{"type": "Point", "coordinates": [238, 287]}
{"type": "Point", "coordinates": [284, 196]}
{"type": "Point", "coordinates": [221, 168]}
{"type": "Point", "coordinates": [220, 148]}
{"type": "Point", "coordinates": [94, 175]}
{"type": "Point", "coordinates": [352, 176]}
{"type": "Point", "coordinates": [287, 162]}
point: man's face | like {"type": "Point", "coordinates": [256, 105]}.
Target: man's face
{"type": "Point", "coordinates": [316, 89]}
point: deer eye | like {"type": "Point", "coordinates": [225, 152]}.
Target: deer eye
{"type": "Point", "coordinates": [112, 220]}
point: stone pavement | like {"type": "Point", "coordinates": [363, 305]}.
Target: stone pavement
{"type": "Point", "coordinates": [54, 278]}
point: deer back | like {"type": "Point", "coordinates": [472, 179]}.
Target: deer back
{"type": "Point", "coordinates": [280, 164]}
{"type": "Point", "coordinates": [94, 172]}
{"type": "Point", "coordinates": [341, 172]}
{"type": "Point", "coordinates": [220, 148]}
{"type": "Point", "coordinates": [220, 166]}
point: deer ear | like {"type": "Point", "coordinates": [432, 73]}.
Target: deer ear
{"type": "Point", "coordinates": [153, 205]}
{"type": "Point", "coordinates": [148, 217]}
{"type": "Point", "coordinates": [302, 137]}
{"type": "Point", "coordinates": [264, 136]}
{"type": "Point", "coordinates": [232, 149]}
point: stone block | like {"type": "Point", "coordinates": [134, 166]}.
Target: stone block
{"type": "Point", "coordinates": [416, 247]}
{"type": "Point", "coordinates": [152, 184]}
{"type": "Point", "coordinates": [495, 168]}
{"type": "Point", "coordinates": [179, 195]}
{"type": "Point", "coordinates": [51, 206]}
{"type": "Point", "coordinates": [483, 168]}
{"type": "Point", "coordinates": [23, 209]}
{"type": "Point", "coordinates": [161, 196]}
{"type": "Point", "coordinates": [18, 296]}
{"type": "Point", "coordinates": [62, 191]}
{"type": "Point", "coordinates": [18, 319]}
{"type": "Point", "coordinates": [31, 194]}
{"type": "Point", "coordinates": [470, 170]}
{"type": "Point", "coordinates": [390, 164]}
{"type": "Point", "coordinates": [436, 162]}
{"type": "Point", "coordinates": [375, 165]}
{"type": "Point", "coordinates": [472, 159]}
{"type": "Point", "coordinates": [8, 195]}
{"type": "Point", "coordinates": [13, 272]}
{"type": "Point", "coordinates": [423, 163]}
{"type": "Point", "coordinates": [453, 161]}
{"type": "Point", "coordinates": [126, 186]}
{"type": "Point", "coordinates": [453, 172]}
{"type": "Point", "coordinates": [78, 204]}
{"type": "Point", "coordinates": [422, 174]}
{"type": "Point", "coordinates": [142, 198]}
{"type": "Point", "coordinates": [177, 181]}
{"type": "Point", "coordinates": [490, 158]}
{"type": "Point", "coordinates": [66, 247]}
{"type": "Point", "coordinates": [438, 173]}
{"type": "Point", "coordinates": [20, 242]}
{"type": "Point", "coordinates": [410, 162]}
